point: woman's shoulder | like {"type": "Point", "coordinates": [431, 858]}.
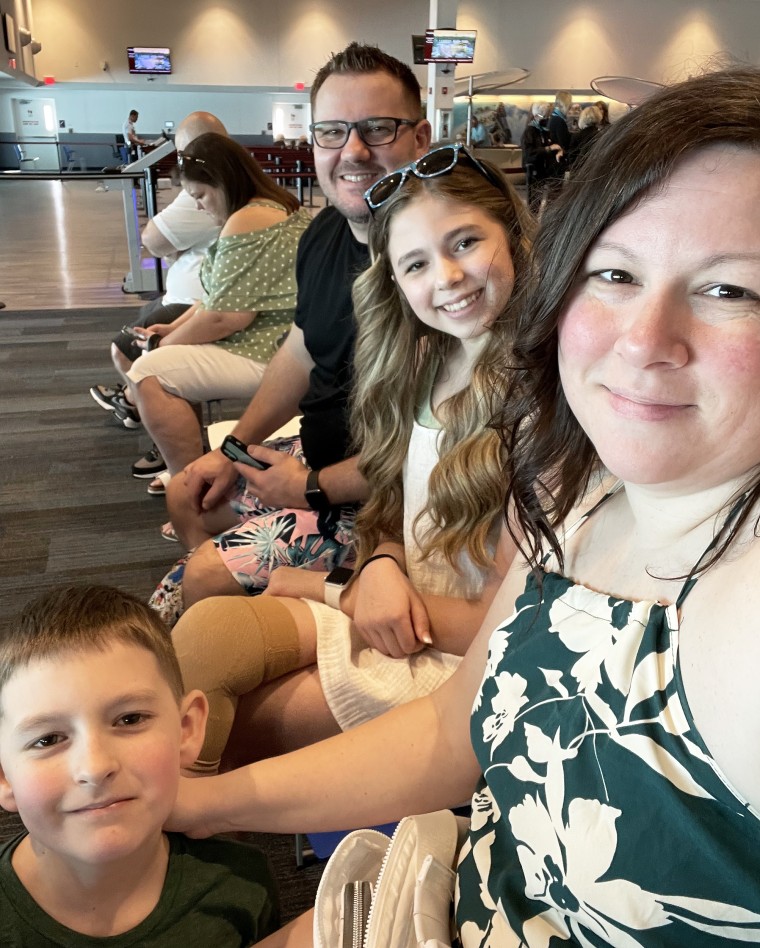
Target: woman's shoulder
{"type": "Point", "coordinates": [254, 217]}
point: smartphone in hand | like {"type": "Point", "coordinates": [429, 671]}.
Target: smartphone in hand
{"type": "Point", "coordinates": [235, 450]}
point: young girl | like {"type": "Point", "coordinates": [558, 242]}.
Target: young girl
{"type": "Point", "coordinates": [449, 242]}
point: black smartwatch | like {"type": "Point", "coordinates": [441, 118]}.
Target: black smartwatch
{"type": "Point", "coordinates": [316, 498]}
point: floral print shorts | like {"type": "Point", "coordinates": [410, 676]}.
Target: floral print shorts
{"type": "Point", "coordinates": [268, 537]}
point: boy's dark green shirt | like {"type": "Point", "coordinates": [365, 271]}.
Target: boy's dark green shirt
{"type": "Point", "coordinates": [216, 892]}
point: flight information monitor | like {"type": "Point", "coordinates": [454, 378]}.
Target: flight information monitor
{"type": "Point", "coordinates": [149, 60]}
{"type": "Point", "coordinates": [450, 46]}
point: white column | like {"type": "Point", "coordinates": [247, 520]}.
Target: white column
{"type": "Point", "coordinates": [440, 76]}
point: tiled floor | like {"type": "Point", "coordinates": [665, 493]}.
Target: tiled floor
{"type": "Point", "coordinates": [63, 245]}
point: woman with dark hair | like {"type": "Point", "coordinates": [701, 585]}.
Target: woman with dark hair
{"type": "Point", "coordinates": [218, 162]}
{"type": "Point", "coordinates": [610, 727]}
{"type": "Point", "coordinates": [219, 348]}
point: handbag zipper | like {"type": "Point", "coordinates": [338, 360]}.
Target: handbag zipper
{"type": "Point", "coordinates": [375, 888]}
{"type": "Point", "coordinates": [358, 926]}
{"type": "Point", "coordinates": [321, 888]}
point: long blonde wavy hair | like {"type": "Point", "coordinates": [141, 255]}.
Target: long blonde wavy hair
{"type": "Point", "coordinates": [396, 357]}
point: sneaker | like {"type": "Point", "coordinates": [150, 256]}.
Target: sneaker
{"type": "Point", "coordinates": [125, 413]}
{"type": "Point", "coordinates": [149, 466]}
{"type": "Point", "coordinates": [104, 395]}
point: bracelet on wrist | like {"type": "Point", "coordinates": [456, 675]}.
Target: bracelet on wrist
{"type": "Point", "coordinates": [378, 556]}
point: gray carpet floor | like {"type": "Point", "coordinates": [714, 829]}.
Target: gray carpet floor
{"type": "Point", "coordinates": [69, 510]}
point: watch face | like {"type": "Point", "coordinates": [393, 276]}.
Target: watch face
{"type": "Point", "coordinates": [317, 501]}
{"type": "Point", "coordinates": [339, 576]}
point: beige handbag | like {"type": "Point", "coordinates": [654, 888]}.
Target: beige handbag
{"type": "Point", "coordinates": [397, 893]}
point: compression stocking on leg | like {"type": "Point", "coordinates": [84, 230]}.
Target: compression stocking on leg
{"type": "Point", "coordinates": [227, 646]}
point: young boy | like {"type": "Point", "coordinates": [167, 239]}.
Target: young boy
{"type": "Point", "coordinates": [94, 728]}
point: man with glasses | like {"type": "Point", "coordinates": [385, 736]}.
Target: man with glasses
{"type": "Point", "coordinates": [366, 111]}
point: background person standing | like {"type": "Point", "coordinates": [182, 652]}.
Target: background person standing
{"type": "Point", "coordinates": [131, 139]}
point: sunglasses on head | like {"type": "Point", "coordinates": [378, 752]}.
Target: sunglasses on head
{"type": "Point", "coordinates": [437, 162]}
{"type": "Point", "coordinates": [183, 159]}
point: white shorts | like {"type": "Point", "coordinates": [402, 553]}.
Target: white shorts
{"type": "Point", "coordinates": [360, 683]}
{"type": "Point", "coordinates": [199, 373]}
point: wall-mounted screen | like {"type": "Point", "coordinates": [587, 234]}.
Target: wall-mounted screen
{"type": "Point", "coordinates": [149, 60]}
{"type": "Point", "coordinates": [450, 46]}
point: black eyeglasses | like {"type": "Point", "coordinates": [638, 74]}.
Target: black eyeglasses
{"type": "Point", "coordinates": [372, 131]}
{"type": "Point", "coordinates": [439, 161]}
{"type": "Point", "coordinates": [182, 158]}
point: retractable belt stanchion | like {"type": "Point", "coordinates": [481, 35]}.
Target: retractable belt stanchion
{"type": "Point", "coordinates": [139, 280]}
{"type": "Point", "coordinates": [123, 179]}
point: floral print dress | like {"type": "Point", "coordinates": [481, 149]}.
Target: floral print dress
{"type": "Point", "coordinates": [601, 817]}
